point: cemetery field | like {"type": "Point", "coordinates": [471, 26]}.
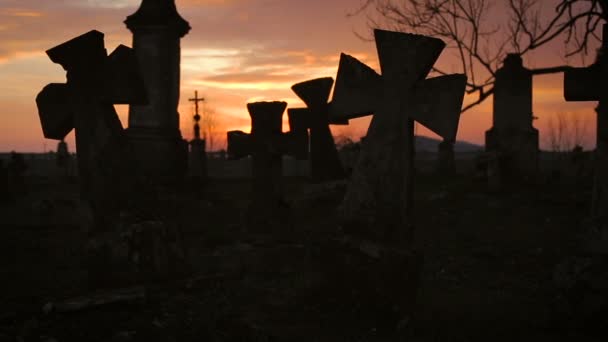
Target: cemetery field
{"type": "Point", "coordinates": [488, 271]}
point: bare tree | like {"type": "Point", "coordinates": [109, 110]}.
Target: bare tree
{"type": "Point", "coordinates": [209, 127]}
{"type": "Point", "coordinates": [481, 43]}
{"type": "Point", "coordinates": [206, 123]}
{"type": "Point", "coordinates": [566, 131]}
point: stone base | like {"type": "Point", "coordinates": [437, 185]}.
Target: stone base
{"type": "Point", "coordinates": [197, 160]}
{"type": "Point", "coordinates": [599, 202]}
{"type": "Point", "coordinates": [161, 159]}
{"type": "Point", "coordinates": [518, 151]}
{"type": "Point", "coordinates": [446, 165]}
{"type": "Point", "coordinates": [136, 253]}
{"type": "Point", "coordinates": [273, 216]}
{"type": "Point", "coordinates": [582, 287]}
{"type": "Point", "coordinates": [377, 277]}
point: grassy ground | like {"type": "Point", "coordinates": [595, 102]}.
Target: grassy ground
{"type": "Point", "coordinates": [489, 260]}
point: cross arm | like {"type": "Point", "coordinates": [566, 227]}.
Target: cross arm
{"type": "Point", "coordinates": [56, 117]}
{"type": "Point", "coordinates": [314, 93]}
{"type": "Point", "coordinates": [437, 102]}
{"type": "Point", "coordinates": [115, 79]}
{"type": "Point", "coordinates": [124, 83]}
{"type": "Point", "coordinates": [405, 56]}
{"type": "Point", "coordinates": [239, 144]}
{"type": "Point", "coordinates": [582, 84]}
{"type": "Point", "coordinates": [80, 53]}
{"type": "Point", "coordinates": [356, 92]}
{"type": "Point", "coordinates": [297, 137]}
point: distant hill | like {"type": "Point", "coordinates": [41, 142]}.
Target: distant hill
{"type": "Point", "coordinates": [426, 144]}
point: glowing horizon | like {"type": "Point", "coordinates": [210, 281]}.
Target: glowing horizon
{"type": "Point", "coordinates": [234, 54]}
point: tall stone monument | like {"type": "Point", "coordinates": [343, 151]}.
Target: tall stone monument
{"type": "Point", "coordinates": [512, 136]}
{"type": "Point", "coordinates": [154, 128]}
{"type": "Point", "coordinates": [588, 84]}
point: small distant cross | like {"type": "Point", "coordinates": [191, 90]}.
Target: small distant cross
{"type": "Point", "coordinates": [196, 100]}
{"type": "Point", "coordinates": [197, 117]}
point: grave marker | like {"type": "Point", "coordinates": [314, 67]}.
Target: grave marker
{"type": "Point", "coordinates": [95, 82]}
{"type": "Point", "coordinates": [379, 195]}
{"type": "Point", "coordinates": [588, 84]}
{"type": "Point", "coordinates": [266, 144]}
{"type": "Point", "coordinates": [324, 161]}
{"type": "Point", "coordinates": [160, 151]}
{"type": "Point", "coordinates": [512, 136]}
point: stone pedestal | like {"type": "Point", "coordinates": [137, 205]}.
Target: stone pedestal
{"type": "Point", "coordinates": [267, 160]}
{"type": "Point", "coordinates": [512, 134]}
{"type": "Point", "coordinates": [588, 84]}
{"type": "Point", "coordinates": [135, 253]}
{"type": "Point", "coordinates": [158, 158]}
{"type": "Point", "coordinates": [197, 160]}
{"type": "Point", "coordinates": [383, 280]}
{"type": "Point", "coordinates": [600, 188]}
{"type": "Point", "coordinates": [518, 150]}
{"type": "Point", "coordinates": [154, 128]}
{"type": "Point", "coordinates": [600, 200]}
{"type": "Point", "coordinates": [447, 163]}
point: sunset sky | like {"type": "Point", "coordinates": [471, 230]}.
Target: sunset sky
{"type": "Point", "coordinates": [237, 51]}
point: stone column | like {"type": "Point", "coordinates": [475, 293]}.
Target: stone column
{"type": "Point", "coordinates": [512, 134]}
{"type": "Point", "coordinates": [600, 190]}
{"type": "Point", "coordinates": [447, 162]}
{"type": "Point", "coordinates": [154, 128]}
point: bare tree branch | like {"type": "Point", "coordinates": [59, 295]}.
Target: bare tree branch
{"type": "Point", "coordinates": [470, 31]}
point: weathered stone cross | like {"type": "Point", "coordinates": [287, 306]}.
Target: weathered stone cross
{"type": "Point", "coordinates": [324, 161]}
{"type": "Point", "coordinates": [379, 195]}
{"type": "Point", "coordinates": [95, 82]}
{"type": "Point", "coordinates": [266, 144]}
{"type": "Point", "coordinates": [588, 84]}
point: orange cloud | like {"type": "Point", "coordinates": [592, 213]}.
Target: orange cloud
{"type": "Point", "coordinates": [238, 51]}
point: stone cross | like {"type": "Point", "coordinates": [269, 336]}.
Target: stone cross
{"type": "Point", "coordinates": [325, 164]}
{"type": "Point", "coordinates": [95, 82]}
{"type": "Point", "coordinates": [588, 84]}
{"type": "Point", "coordinates": [379, 196]}
{"type": "Point", "coordinates": [266, 144]}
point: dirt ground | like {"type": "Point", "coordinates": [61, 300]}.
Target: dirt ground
{"type": "Point", "coordinates": [488, 271]}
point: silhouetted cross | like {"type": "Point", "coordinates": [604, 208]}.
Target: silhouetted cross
{"type": "Point", "coordinates": [95, 82]}
{"type": "Point", "coordinates": [266, 144]}
{"type": "Point", "coordinates": [380, 191]}
{"type": "Point", "coordinates": [196, 100]}
{"type": "Point", "coordinates": [324, 161]}
{"type": "Point", "coordinates": [197, 117]}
